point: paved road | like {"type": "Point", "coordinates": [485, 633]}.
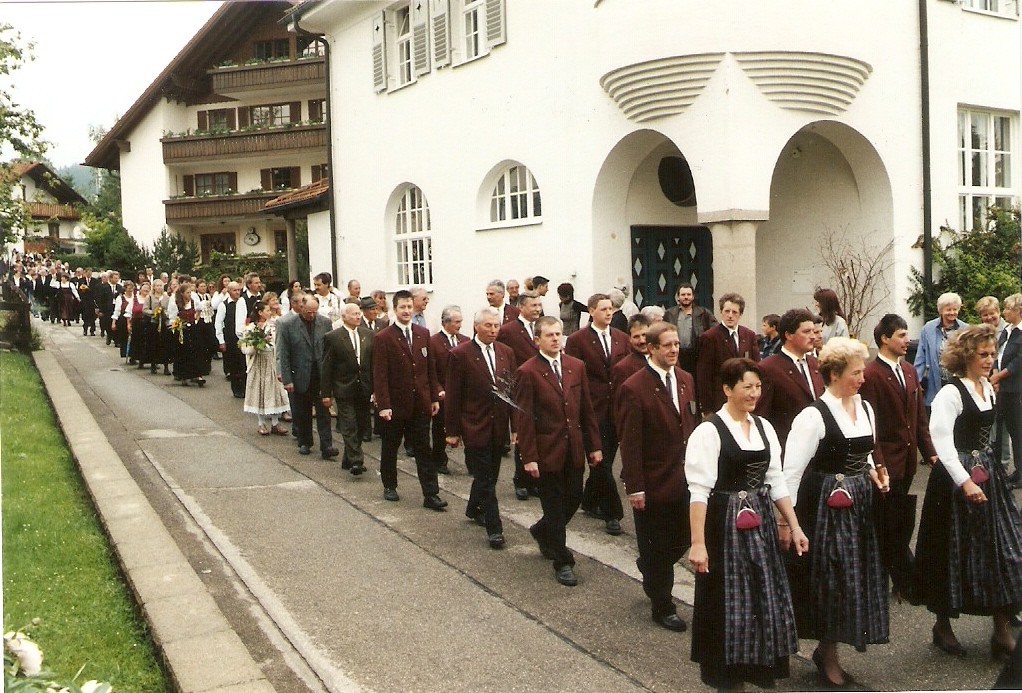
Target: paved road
{"type": "Point", "coordinates": [332, 588]}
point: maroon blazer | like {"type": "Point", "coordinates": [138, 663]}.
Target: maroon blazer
{"type": "Point", "coordinates": [903, 431]}
{"type": "Point", "coordinates": [585, 345]}
{"type": "Point", "coordinates": [653, 435]}
{"type": "Point", "coordinates": [555, 426]}
{"type": "Point", "coordinates": [471, 410]}
{"type": "Point", "coordinates": [516, 336]}
{"type": "Point", "coordinates": [441, 352]}
{"type": "Point", "coordinates": [404, 380]}
{"type": "Point", "coordinates": [716, 347]}
{"type": "Point", "coordinates": [623, 370]}
{"type": "Point", "coordinates": [786, 392]}
{"type": "Point", "coordinates": [510, 313]}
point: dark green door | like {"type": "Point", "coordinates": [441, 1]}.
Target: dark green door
{"type": "Point", "coordinates": [665, 256]}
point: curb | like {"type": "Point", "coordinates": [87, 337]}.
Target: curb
{"type": "Point", "coordinates": [200, 650]}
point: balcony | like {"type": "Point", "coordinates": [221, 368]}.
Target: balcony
{"type": "Point", "coordinates": [232, 145]}
{"type": "Point", "coordinates": [196, 209]}
{"type": "Point", "coordinates": [51, 210]}
{"type": "Point", "coordinates": [243, 80]}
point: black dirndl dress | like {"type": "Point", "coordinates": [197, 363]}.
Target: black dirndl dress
{"type": "Point", "coordinates": [839, 586]}
{"type": "Point", "coordinates": [969, 556]}
{"type": "Point", "coordinates": [191, 353]}
{"type": "Point", "coordinates": [743, 627]}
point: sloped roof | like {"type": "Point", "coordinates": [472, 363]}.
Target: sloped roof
{"type": "Point", "coordinates": [307, 195]}
{"type": "Point", "coordinates": [185, 78]}
{"type": "Point", "coordinates": [47, 179]}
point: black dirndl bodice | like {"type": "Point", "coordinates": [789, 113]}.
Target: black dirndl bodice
{"type": "Point", "coordinates": [743, 628]}
{"type": "Point", "coordinates": [969, 556]}
{"type": "Point", "coordinates": [840, 586]}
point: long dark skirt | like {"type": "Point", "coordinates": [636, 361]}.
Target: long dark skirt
{"type": "Point", "coordinates": [137, 340]}
{"type": "Point", "coordinates": [67, 305]}
{"type": "Point", "coordinates": [159, 344]}
{"type": "Point", "coordinates": [191, 355]}
{"type": "Point", "coordinates": [839, 587]}
{"type": "Point", "coordinates": [743, 628]}
{"type": "Point", "coordinates": [208, 332]}
{"type": "Point", "coordinates": [968, 556]}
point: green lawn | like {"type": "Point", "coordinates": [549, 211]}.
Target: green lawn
{"type": "Point", "coordinates": [57, 565]}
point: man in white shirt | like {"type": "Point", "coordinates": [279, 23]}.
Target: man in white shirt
{"type": "Point", "coordinates": [346, 376]}
{"type": "Point", "coordinates": [329, 299]}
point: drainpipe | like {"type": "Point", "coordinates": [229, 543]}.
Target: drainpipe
{"type": "Point", "coordinates": [924, 89]}
{"type": "Point", "coordinates": [329, 148]}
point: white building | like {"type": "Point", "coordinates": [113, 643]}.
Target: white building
{"type": "Point", "coordinates": [650, 142]}
{"type": "Point", "coordinates": [54, 220]}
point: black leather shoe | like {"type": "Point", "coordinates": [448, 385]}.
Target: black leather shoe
{"type": "Point", "coordinates": [521, 493]}
{"type": "Point", "coordinates": [443, 469]}
{"type": "Point", "coordinates": [357, 469]}
{"type": "Point", "coordinates": [304, 450]}
{"type": "Point", "coordinates": [434, 503]}
{"type": "Point", "coordinates": [390, 494]}
{"type": "Point", "coordinates": [566, 576]}
{"type": "Point", "coordinates": [671, 622]}
{"type": "Point", "coordinates": [345, 463]}
{"type": "Point", "coordinates": [952, 648]}
{"type": "Point", "coordinates": [496, 540]}
{"type": "Point", "coordinates": [329, 453]}
{"type": "Point", "coordinates": [543, 548]}
{"type": "Point", "coordinates": [613, 527]}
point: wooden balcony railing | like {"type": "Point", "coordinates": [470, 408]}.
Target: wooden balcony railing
{"type": "Point", "coordinates": [51, 210]}
{"type": "Point", "coordinates": [199, 208]}
{"type": "Point", "coordinates": [232, 81]}
{"type": "Point", "coordinates": [229, 145]}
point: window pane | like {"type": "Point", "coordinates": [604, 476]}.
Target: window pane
{"type": "Point", "coordinates": [494, 215]}
{"type": "Point", "coordinates": [537, 207]}
{"type": "Point", "coordinates": [1002, 170]}
{"type": "Point", "coordinates": [963, 205]}
{"type": "Point", "coordinates": [979, 169]}
{"type": "Point", "coordinates": [980, 136]}
{"type": "Point", "coordinates": [961, 169]}
{"type": "Point", "coordinates": [963, 128]}
{"type": "Point", "coordinates": [515, 211]}
{"type": "Point", "coordinates": [979, 211]}
{"type": "Point", "coordinates": [1002, 133]}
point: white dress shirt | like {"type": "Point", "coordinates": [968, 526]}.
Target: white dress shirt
{"type": "Point", "coordinates": [946, 408]}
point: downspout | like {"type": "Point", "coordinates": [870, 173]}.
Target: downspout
{"type": "Point", "coordinates": [924, 89]}
{"type": "Point", "coordinates": [329, 148]}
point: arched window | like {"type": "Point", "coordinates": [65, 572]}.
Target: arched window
{"type": "Point", "coordinates": [412, 241]}
{"type": "Point", "coordinates": [515, 196]}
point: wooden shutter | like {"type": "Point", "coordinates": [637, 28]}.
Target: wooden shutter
{"type": "Point", "coordinates": [496, 25]}
{"type": "Point", "coordinates": [266, 179]}
{"type": "Point", "coordinates": [232, 123]}
{"type": "Point", "coordinates": [420, 38]}
{"type": "Point", "coordinates": [243, 119]}
{"type": "Point", "coordinates": [296, 177]}
{"type": "Point", "coordinates": [315, 112]}
{"type": "Point", "coordinates": [203, 120]}
{"type": "Point", "coordinates": [296, 111]}
{"type": "Point", "coordinates": [232, 180]}
{"type": "Point", "coordinates": [379, 53]}
{"type": "Point", "coordinates": [439, 10]}
{"type": "Point", "coordinates": [189, 185]}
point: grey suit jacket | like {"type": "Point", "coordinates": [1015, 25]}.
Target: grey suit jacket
{"type": "Point", "coordinates": [1011, 360]}
{"type": "Point", "coordinates": [298, 353]}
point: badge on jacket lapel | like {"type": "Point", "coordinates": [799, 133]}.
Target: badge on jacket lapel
{"type": "Point", "coordinates": [424, 352]}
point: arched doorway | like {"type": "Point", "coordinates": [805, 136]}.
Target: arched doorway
{"type": "Point", "coordinates": [644, 219]}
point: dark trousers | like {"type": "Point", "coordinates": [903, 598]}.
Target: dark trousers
{"type": "Point", "coordinates": [105, 320]}
{"type": "Point", "coordinates": [484, 466]}
{"type": "Point", "coordinates": [895, 519]}
{"type": "Point", "coordinates": [439, 439]}
{"type": "Point", "coordinates": [600, 491]}
{"type": "Point", "coordinates": [235, 369]}
{"type": "Point", "coordinates": [1009, 423]}
{"type": "Point", "coordinates": [522, 479]}
{"type": "Point", "coordinates": [302, 406]}
{"type": "Point", "coordinates": [560, 494]}
{"type": "Point", "coordinates": [88, 320]}
{"type": "Point", "coordinates": [662, 533]}
{"type": "Point", "coordinates": [353, 423]}
{"type": "Point", "coordinates": [414, 431]}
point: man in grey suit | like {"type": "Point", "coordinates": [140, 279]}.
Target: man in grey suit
{"type": "Point", "coordinates": [299, 351]}
{"type": "Point", "coordinates": [346, 375]}
{"type": "Point", "coordinates": [692, 320]}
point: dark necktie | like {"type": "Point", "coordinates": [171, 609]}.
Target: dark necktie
{"type": "Point", "coordinates": [606, 346]}
{"type": "Point", "coordinates": [408, 337]}
{"type": "Point", "coordinates": [557, 372]}
{"type": "Point", "coordinates": [734, 341]}
{"type": "Point", "coordinates": [805, 376]}
{"type": "Point", "coordinates": [899, 375]}
{"type": "Point", "coordinates": [670, 391]}
{"type": "Point", "coordinates": [493, 366]}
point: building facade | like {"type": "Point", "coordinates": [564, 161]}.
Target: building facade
{"type": "Point", "coordinates": [658, 141]}
{"type": "Point", "coordinates": [237, 117]}
{"type": "Point", "coordinates": [53, 209]}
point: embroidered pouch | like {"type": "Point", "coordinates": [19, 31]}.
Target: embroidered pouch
{"type": "Point", "coordinates": [747, 518]}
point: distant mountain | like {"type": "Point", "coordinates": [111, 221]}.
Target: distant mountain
{"type": "Point", "coordinates": [81, 178]}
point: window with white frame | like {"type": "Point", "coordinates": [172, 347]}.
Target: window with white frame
{"type": "Point", "coordinates": [985, 161]}
{"type": "Point", "coordinates": [1005, 7]}
{"type": "Point", "coordinates": [400, 45]}
{"type": "Point", "coordinates": [413, 243]}
{"type": "Point", "coordinates": [515, 196]}
{"type": "Point", "coordinates": [403, 36]}
{"type": "Point", "coordinates": [476, 26]}
{"type": "Point", "coordinates": [271, 115]}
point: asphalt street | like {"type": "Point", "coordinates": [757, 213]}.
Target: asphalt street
{"type": "Point", "coordinates": [332, 588]}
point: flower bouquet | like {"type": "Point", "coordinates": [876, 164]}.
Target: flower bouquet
{"type": "Point", "coordinates": [255, 337]}
{"type": "Point", "coordinates": [177, 326]}
{"type": "Point", "coordinates": [158, 317]}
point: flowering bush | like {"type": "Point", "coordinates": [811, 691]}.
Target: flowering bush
{"type": "Point", "coordinates": [23, 669]}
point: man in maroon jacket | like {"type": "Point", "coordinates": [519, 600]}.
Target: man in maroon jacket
{"type": "Point", "coordinates": [902, 432]}
{"type": "Point", "coordinates": [726, 340]}
{"type": "Point", "coordinates": [599, 346]}
{"type": "Point", "coordinates": [448, 337]}
{"type": "Point", "coordinates": [407, 395]}
{"type": "Point", "coordinates": [478, 371]}
{"type": "Point", "coordinates": [638, 326]}
{"type": "Point", "coordinates": [519, 335]}
{"type": "Point", "coordinates": [655, 418]}
{"type": "Point", "coordinates": [557, 430]}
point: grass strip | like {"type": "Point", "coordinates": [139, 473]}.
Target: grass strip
{"type": "Point", "coordinates": [57, 565]}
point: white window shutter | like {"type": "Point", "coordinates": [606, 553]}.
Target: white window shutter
{"type": "Point", "coordinates": [439, 10]}
{"type": "Point", "coordinates": [420, 37]}
{"type": "Point", "coordinates": [379, 53]}
{"type": "Point", "coordinates": [496, 25]}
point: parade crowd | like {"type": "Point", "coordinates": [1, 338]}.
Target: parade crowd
{"type": "Point", "coordinates": [780, 463]}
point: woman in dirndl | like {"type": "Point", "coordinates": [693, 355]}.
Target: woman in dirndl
{"type": "Point", "coordinates": [839, 586]}
{"type": "Point", "coordinates": [158, 337]}
{"type": "Point", "coordinates": [969, 550]}
{"type": "Point", "coordinates": [743, 629]}
{"type": "Point", "coordinates": [264, 395]}
{"type": "Point", "coordinates": [191, 354]}
{"type": "Point", "coordinates": [67, 299]}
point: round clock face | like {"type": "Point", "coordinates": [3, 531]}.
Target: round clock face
{"type": "Point", "coordinates": [251, 238]}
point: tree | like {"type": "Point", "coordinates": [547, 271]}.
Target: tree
{"type": "Point", "coordinates": [174, 253]}
{"type": "Point", "coordinates": [857, 274]}
{"type": "Point", "coordinates": [111, 246]}
{"type": "Point", "coordinates": [973, 264]}
{"type": "Point", "coordinates": [20, 135]}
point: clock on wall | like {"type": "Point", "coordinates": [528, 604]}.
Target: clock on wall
{"type": "Point", "coordinates": [251, 238]}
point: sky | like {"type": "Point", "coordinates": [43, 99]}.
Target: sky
{"type": "Point", "coordinates": [92, 61]}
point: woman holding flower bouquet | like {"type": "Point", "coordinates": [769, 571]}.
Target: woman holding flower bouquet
{"type": "Point", "coordinates": [264, 395]}
{"type": "Point", "coordinates": [191, 353]}
{"type": "Point", "coordinates": [157, 331]}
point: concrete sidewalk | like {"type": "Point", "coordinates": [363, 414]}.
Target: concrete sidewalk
{"type": "Point", "coordinates": [259, 569]}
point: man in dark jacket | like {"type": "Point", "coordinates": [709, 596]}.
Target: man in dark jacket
{"type": "Point", "coordinates": [692, 321]}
